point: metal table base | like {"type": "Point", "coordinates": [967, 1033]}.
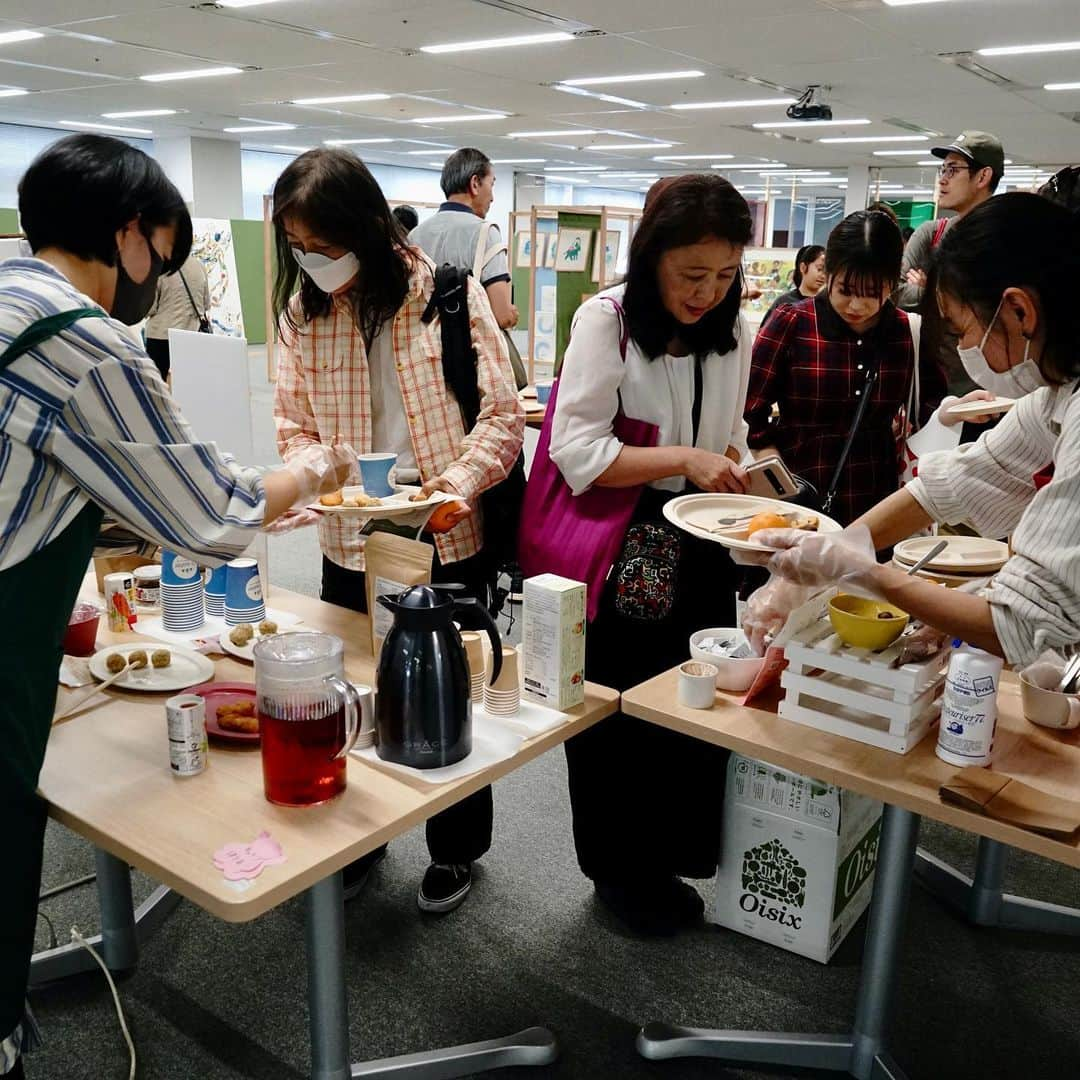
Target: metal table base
{"type": "Point", "coordinates": [982, 900]}
{"type": "Point", "coordinates": [329, 1018]}
{"type": "Point", "coordinates": [862, 1053]}
{"type": "Point", "coordinates": [124, 928]}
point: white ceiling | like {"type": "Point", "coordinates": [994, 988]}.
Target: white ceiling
{"type": "Point", "coordinates": [885, 63]}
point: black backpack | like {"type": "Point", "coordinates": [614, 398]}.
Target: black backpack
{"type": "Point", "coordinates": [501, 504]}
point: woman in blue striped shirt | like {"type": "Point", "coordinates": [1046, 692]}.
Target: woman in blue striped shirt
{"type": "Point", "coordinates": [88, 426]}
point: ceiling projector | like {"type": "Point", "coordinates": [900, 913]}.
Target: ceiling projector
{"type": "Point", "coordinates": [810, 106]}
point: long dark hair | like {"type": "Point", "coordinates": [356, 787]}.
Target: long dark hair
{"type": "Point", "coordinates": [866, 248]}
{"type": "Point", "coordinates": [1019, 240]}
{"type": "Point", "coordinates": [333, 193]}
{"type": "Point", "coordinates": [684, 211]}
{"type": "Point", "coordinates": [807, 255]}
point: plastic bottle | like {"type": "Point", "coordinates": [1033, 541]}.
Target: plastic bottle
{"type": "Point", "coordinates": [969, 707]}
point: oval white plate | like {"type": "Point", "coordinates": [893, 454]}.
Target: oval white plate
{"type": "Point", "coordinates": [964, 554]}
{"type": "Point", "coordinates": [188, 668]}
{"type": "Point", "coordinates": [390, 506]}
{"type": "Point", "coordinates": [995, 407]}
{"type": "Point", "coordinates": [697, 514]}
{"type": "Point", "coordinates": [248, 651]}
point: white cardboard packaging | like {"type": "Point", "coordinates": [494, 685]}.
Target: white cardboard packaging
{"type": "Point", "coordinates": [553, 641]}
{"type": "Point", "coordinates": [797, 865]}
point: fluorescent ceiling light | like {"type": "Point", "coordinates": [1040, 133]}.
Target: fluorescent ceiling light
{"type": "Point", "coordinates": [575, 168]}
{"type": "Point", "coordinates": [768, 124]}
{"type": "Point", "coordinates": [458, 118]}
{"type": "Point", "coordinates": [518, 161]}
{"type": "Point", "coordinates": [354, 142]}
{"type": "Point", "coordinates": [908, 3]}
{"type": "Point", "coordinates": [877, 139]}
{"type": "Point", "coordinates": [443, 151]}
{"type": "Point", "coordinates": [243, 3]}
{"type": "Point", "coordinates": [552, 134]}
{"type": "Point", "coordinates": [1021, 50]}
{"type": "Point", "coordinates": [695, 157]}
{"type": "Point", "coordinates": [743, 103]}
{"type": "Point", "coordinates": [1062, 86]}
{"type": "Point", "coordinates": [132, 114]}
{"type": "Point", "coordinates": [567, 179]}
{"type": "Point", "coordinates": [899, 153]}
{"type": "Point", "coordinates": [746, 166]}
{"type": "Point", "coordinates": [339, 99]}
{"type": "Point", "coordinates": [293, 149]}
{"type": "Point", "coordinates": [630, 176]}
{"type": "Point", "coordinates": [582, 92]}
{"type": "Point", "coordinates": [13, 91]}
{"type": "Point", "coordinates": [10, 36]}
{"type": "Point", "coordinates": [498, 43]}
{"type": "Point", "coordinates": [91, 126]}
{"type": "Point", "coordinates": [196, 73]}
{"type": "Point", "coordinates": [649, 76]}
{"type": "Point", "coordinates": [629, 146]}
{"type": "Point", "coordinates": [247, 128]}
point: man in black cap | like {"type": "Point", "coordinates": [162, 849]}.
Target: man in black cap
{"type": "Point", "coordinates": [972, 167]}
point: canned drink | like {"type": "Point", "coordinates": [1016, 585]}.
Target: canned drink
{"type": "Point", "coordinates": [120, 601]}
{"type": "Point", "coordinates": [188, 748]}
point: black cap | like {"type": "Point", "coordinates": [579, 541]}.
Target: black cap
{"type": "Point", "coordinates": [979, 147]}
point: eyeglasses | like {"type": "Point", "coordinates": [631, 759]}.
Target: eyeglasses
{"type": "Point", "coordinates": [947, 172]}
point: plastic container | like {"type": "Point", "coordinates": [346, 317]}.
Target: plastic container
{"type": "Point", "coordinates": [80, 638]}
{"type": "Point", "coordinates": [147, 585]}
{"type": "Point", "coordinates": [969, 707]}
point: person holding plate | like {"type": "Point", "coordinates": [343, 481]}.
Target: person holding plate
{"type": "Point", "coordinates": [1005, 276]}
{"type": "Point", "coordinates": [87, 426]}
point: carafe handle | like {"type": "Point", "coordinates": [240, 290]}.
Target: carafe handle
{"type": "Point", "coordinates": [357, 709]}
{"type": "Point", "coordinates": [472, 609]}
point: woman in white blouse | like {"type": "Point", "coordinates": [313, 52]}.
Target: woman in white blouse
{"type": "Point", "coordinates": [1006, 284]}
{"type": "Point", "coordinates": [645, 800]}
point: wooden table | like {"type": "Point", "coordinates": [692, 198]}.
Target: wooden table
{"type": "Point", "coordinates": [106, 776]}
{"type": "Point", "coordinates": [908, 785]}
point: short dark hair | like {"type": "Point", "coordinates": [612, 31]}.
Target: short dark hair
{"type": "Point", "coordinates": [334, 195]}
{"type": "Point", "coordinates": [407, 217]}
{"type": "Point", "coordinates": [885, 209]}
{"type": "Point", "coordinates": [686, 211]}
{"type": "Point", "coordinates": [1064, 188]}
{"type": "Point", "coordinates": [867, 250]}
{"type": "Point", "coordinates": [807, 255]}
{"type": "Point", "coordinates": [461, 166]}
{"type": "Point", "coordinates": [1019, 240]}
{"type": "Point", "coordinates": [80, 190]}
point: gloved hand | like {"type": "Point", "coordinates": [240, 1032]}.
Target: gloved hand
{"type": "Point", "coordinates": [946, 417]}
{"type": "Point", "coordinates": [320, 469]}
{"type": "Point", "coordinates": [767, 611]}
{"type": "Point", "coordinates": [817, 559]}
{"type": "Point", "coordinates": [293, 519]}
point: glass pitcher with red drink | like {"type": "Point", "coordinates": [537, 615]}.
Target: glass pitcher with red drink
{"type": "Point", "coordinates": [309, 716]}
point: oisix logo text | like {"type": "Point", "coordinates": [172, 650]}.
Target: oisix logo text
{"type": "Point", "coordinates": [773, 872]}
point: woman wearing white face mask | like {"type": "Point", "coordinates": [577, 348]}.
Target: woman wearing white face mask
{"type": "Point", "coordinates": [1006, 285]}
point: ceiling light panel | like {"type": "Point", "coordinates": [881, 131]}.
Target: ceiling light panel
{"type": "Point", "coordinates": [1062, 86]}
{"type": "Point", "coordinates": [358, 142]}
{"type": "Point", "coordinates": [339, 99]}
{"type": "Point", "coordinates": [12, 91]}
{"type": "Point", "coordinates": [518, 161]}
{"type": "Point", "coordinates": [876, 139]}
{"type": "Point", "coordinates": [1027, 50]}
{"type": "Point", "coordinates": [194, 73]}
{"type": "Point", "coordinates": [629, 146]}
{"type": "Point", "coordinates": [650, 76]}
{"type": "Point", "coordinates": [498, 43]}
{"type": "Point", "coordinates": [768, 125]}
{"type": "Point", "coordinates": [9, 37]}
{"type": "Point", "coordinates": [93, 126]}
{"type": "Point", "coordinates": [735, 103]}
{"type": "Point", "coordinates": [695, 157]}
{"type": "Point", "coordinates": [459, 118]}
{"type": "Point", "coordinates": [576, 134]}
{"type": "Point", "coordinates": [135, 113]}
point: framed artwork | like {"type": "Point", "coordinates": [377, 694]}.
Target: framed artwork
{"type": "Point", "coordinates": [524, 250]}
{"type": "Point", "coordinates": [572, 251]}
{"type": "Point", "coordinates": [610, 256]}
{"type": "Point", "coordinates": [212, 245]}
{"type": "Point", "coordinates": [769, 270]}
{"type": "Point", "coordinates": [547, 297]}
{"type": "Point", "coordinates": [551, 245]}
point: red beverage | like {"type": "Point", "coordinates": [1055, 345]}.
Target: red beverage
{"type": "Point", "coordinates": [299, 744]}
{"type": "Point", "coordinates": [81, 635]}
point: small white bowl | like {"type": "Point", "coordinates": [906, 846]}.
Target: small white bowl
{"type": "Point", "coordinates": [736, 676]}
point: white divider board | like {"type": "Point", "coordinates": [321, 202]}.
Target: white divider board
{"type": "Point", "coordinates": [211, 383]}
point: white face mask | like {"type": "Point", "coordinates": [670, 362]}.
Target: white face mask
{"type": "Point", "coordinates": [1023, 379]}
{"type": "Point", "coordinates": [327, 274]}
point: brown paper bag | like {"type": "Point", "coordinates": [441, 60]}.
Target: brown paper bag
{"type": "Point", "coordinates": [983, 791]}
{"type": "Point", "coordinates": [392, 564]}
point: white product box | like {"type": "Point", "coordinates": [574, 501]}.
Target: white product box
{"type": "Point", "coordinates": [553, 640]}
{"type": "Point", "coordinates": [797, 867]}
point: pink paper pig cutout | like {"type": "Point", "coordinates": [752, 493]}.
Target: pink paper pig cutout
{"type": "Point", "coordinates": [239, 862]}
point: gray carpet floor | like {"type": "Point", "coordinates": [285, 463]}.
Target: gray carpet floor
{"type": "Point", "coordinates": [219, 1002]}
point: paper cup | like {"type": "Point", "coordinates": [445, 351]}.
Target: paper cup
{"type": "Point", "coordinates": [697, 684]}
{"type": "Point", "coordinates": [509, 678]}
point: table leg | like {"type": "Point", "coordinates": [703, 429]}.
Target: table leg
{"type": "Point", "coordinates": [982, 899]}
{"type": "Point", "coordinates": [123, 928]}
{"type": "Point", "coordinates": [862, 1054]}
{"type": "Point", "coordinates": [329, 1017]}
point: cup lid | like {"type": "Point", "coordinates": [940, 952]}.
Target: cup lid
{"type": "Point", "coordinates": [292, 658]}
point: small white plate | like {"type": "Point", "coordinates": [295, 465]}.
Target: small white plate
{"type": "Point", "coordinates": [995, 407]}
{"type": "Point", "coordinates": [247, 652]}
{"type": "Point", "coordinates": [698, 514]}
{"type": "Point", "coordinates": [187, 669]}
{"type": "Point", "coordinates": [528, 393]}
{"type": "Point", "coordinates": [389, 506]}
{"type": "Point", "coordinates": [963, 554]}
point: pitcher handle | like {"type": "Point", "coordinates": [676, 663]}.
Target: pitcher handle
{"type": "Point", "coordinates": [355, 707]}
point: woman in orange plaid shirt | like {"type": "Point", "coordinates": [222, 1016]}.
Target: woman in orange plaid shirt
{"type": "Point", "coordinates": [356, 361]}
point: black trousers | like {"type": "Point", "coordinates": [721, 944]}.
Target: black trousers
{"type": "Point", "coordinates": [646, 800]}
{"type": "Point", "coordinates": [158, 351]}
{"type": "Point", "coordinates": [461, 833]}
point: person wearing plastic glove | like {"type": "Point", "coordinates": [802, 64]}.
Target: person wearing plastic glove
{"type": "Point", "coordinates": [357, 360]}
{"type": "Point", "coordinates": [1005, 285]}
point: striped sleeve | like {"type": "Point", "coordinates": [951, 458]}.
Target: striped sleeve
{"type": "Point", "coordinates": [123, 441]}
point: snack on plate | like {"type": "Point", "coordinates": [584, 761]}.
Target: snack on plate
{"type": "Point", "coordinates": [418, 496]}
{"type": "Point", "coordinates": [161, 658]}
{"type": "Point", "coordinates": [242, 634]}
{"type": "Point", "coordinates": [137, 659]}
{"type": "Point", "coordinates": [335, 498]}
{"type": "Point", "coordinates": [770, 519]}
{"type": "Point", "coordinates": [115, 662]}
{"type": "Point", "coordinates": [361, 500]}
{"type": "Point", "coordinates": [267, 626]}
{"type": "Point", "coordinates": [238, 716]}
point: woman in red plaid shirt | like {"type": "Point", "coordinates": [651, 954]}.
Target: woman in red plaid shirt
{"type": "Point", "coordinates": [812, 360]}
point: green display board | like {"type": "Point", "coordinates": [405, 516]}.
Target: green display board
{"type": "Point", "coordinates": [519, 279]}
{"type": "Point", "coordinates": [9, 220]}
{"type": "Point", "coordinates": [572, 285]}
{"type": "Point", "coordinates": [248, 246]}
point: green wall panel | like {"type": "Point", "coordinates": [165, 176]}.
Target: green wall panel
{"type": "Point", "coordinates": [571, 285]}
{"type": "Point", "coordinates": [248, 246]}
{"type": "Point", "coordinates": [9, 220]}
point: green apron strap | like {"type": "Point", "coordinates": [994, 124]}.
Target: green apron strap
{"type": "Point", "coordinates": [46, 328]}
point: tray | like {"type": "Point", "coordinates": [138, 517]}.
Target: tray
{"type": "Point", "coordinates": [699, 514]}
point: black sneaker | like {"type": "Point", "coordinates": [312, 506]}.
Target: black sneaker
{"type": "Point", "coordinates": [655, 908]}
{"type": "Point", "coordinates": [444, 887]}
{"type": "Point", "coordinates": [355, 875]}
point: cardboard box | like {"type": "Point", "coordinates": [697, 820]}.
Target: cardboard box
{"type": "Point", "coordinates": [797, 866]}
{"type": "Point", "coordinates": [553, 640]}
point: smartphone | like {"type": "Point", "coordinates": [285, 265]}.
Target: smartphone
{"type": "Point", "coordinates": [769, 478]}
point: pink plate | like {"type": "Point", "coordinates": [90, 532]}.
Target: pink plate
{"type": "Point", "coordinates": [217, 694]}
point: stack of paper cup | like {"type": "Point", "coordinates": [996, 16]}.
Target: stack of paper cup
{"type": "Point", "coordinates": [215, 591]}
{"type": "Point", "coordinates": [243, 593]}
{"type": "Point", "coordinates": [474, 654]}
{"type": "Point", "coordinates": [181, 593]}
{"type": "Point", "coordinates": [504, 698]}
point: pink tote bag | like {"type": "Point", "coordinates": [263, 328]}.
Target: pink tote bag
{"type": "Point", "coordinates": [578, 536]}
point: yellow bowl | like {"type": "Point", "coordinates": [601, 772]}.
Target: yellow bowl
{"type": "Point", "coordinates": [856, 622]}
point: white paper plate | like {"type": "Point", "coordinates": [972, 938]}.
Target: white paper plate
{"type": "Point", "coordinates": [995, 407]}
{"type": "Point", "coordinates": [697, 514]}
{"type": "Point", "coordinates": [942, 578]}
{"type": "Point", "coordinates": [187, 669]}
{"type": "Point", "coordinates": [528, 393]}
{"type": "Point", "coordinates": [963, 555]}
{"type": "Point", "coordinates": [247, 652]}
{"type": "Point", "coordinates": [390, 506]}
